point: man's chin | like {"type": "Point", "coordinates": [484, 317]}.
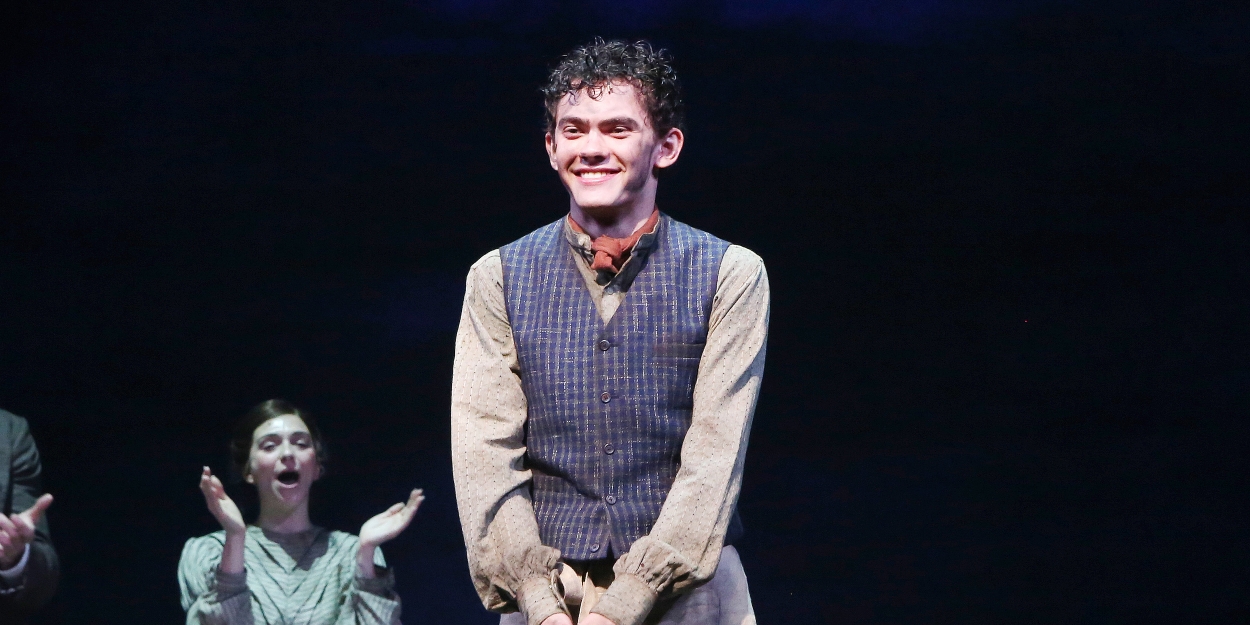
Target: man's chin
{"type": "Point", "coordinates": [600, 207]}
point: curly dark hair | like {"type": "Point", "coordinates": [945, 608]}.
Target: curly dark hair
{"type": "Point", "coordinates": [596, 66]}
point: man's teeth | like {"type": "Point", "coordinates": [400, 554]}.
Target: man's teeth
{"type": "Point", "coordinates": [594, 174]}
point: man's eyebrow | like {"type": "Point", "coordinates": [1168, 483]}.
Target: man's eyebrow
{"type": "Point", "coordinates": [619, 121]}
{"type": "Point", "coordinates": [615, 121]}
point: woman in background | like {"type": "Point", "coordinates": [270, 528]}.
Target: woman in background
{"type": "Point", "coordinates": [284, 569]}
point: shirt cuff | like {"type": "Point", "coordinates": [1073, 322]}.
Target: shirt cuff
{"type": "Point", "coordinates": [537, 600]}
{"type": "Point", "coordinates": [14, 575]}
{"type": "Point", "coordinates": [627, 601]}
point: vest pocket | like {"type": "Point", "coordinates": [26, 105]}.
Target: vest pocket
{"type": "Point", "coordinates": [677, 351]}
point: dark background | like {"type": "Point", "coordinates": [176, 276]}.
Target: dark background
{"type": "Point", "coordinates": [1008, 371]}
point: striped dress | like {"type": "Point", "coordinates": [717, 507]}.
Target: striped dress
{"type": "Point", "coordinates": [300, 579]}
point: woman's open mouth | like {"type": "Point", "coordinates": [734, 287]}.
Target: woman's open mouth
{"type": "Point", "coordinates": [290, 478]}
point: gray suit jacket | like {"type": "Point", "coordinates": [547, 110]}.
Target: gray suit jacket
{"type": "Point", "coordinates": [19, 488]}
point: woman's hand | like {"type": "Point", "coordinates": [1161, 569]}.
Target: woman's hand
{"type": "Point", "coordinates": [221, 505]}
{"type": "Point", "coordinates": [389, 524]}
{"type": "Point", "coordinates": [382, 528]}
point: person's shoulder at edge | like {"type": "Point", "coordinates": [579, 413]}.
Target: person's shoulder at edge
{"type": "Point", "coordinates": [740, 264]}
{"type": "Point", "coordinates": [486, 262]}
{"type": "Point", "coordinates": [211, 540]}
{"type": "Point", "coordinates": [742, 256]}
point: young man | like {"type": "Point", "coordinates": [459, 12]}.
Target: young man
{"type": "Point", "coordinates": [607, 370]}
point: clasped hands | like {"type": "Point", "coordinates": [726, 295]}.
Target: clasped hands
{"type": "Point", "coordinates": [18, 530]}
{"type": "Point", "coordinates": [560, 618]}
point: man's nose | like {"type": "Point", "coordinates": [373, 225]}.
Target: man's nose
{"type": "Point", "coordinates": [286, 450]}
{"type": "Point", "coordinates": [594, 148]}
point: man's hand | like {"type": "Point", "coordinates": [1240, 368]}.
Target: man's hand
{"type": "Point", "coordinates": [560, 618]}
{"type": "Point", "coordinates": [18, 530]}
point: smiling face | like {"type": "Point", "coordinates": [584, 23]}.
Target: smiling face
{"type": "Point", "coordinates": [606, 152]}
{"type": "Point", "coordinates": [282, 462]}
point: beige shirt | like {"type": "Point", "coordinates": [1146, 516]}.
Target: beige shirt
{"type": "Point", "coordinates": [510, 566]}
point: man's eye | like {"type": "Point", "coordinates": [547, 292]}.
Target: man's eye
{"type": "Point", "coordinates": [267, 446]}
{"type": "Point", "coordinates": [620, 130]}
{"type": "Point", "coordinates": [303, 444]}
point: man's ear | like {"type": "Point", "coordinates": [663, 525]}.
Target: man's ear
{"type": "Point", "coordinates": [669, 148]}
{"type": "Point", "coordinates": [550, 142]}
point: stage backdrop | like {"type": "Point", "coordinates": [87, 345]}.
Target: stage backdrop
{"type": "Point", "coordinates": [1007, 244]}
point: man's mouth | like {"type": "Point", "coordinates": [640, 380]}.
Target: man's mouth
{"type": "Point", "coordinates": [593, 175]}
{"type": "Point", "coordinates": [290, 478]}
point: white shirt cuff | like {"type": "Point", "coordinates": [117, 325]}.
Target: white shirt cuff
{"type": "Point", "coordinates": [15, 574]}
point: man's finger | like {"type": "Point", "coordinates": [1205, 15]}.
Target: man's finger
{"type": "Point", "coordinates": [25, 526]}
{"type": "Point", "coordinates": [35, 512]}
{"type": "Point", "coordinates": [7, 526]}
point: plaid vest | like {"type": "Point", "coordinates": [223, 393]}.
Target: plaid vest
{"type": "Point", "coordinates": [609, 405]}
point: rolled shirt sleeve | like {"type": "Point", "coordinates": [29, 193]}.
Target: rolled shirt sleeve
{"type": "Point", "coordinates": [684, 546]}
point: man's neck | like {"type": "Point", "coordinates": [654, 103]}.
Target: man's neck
{"type": "Point", "coordinates": [614, 222]}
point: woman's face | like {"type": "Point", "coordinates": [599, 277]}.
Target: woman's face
{"type": "Point", "coordinates": [282, 463]}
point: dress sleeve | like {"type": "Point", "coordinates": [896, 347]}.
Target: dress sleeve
{"type": "Point", "coordinates": [209, 596]}
{"type": "Point", "coordinates": [38, 579]}
{"type": "Point", "coordinates": [683, 548]}
{"type": "Point", "coordinates": [371, 601]}
{"type": "Point", "coordinates": [510, 567]}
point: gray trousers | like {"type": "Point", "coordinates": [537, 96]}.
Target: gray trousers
{"type": "Point", "coordinates": [724, 600]}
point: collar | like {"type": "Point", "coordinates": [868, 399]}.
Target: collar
{"type": "Point", "coordinates": [621, 281]}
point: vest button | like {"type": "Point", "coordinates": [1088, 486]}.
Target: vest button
{"type": "Point", "coordinates": [611, 500]}
{"type": "Point", "coordinates": [609, 449]}
{"type": "Point", "coordinates": [605, 397]}
{"type": "Point", "coordinates": [604, 344]}
{"type": "Point", "coordinates": [594, 548]}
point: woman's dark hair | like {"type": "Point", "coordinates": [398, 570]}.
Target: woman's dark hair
{"type": "Point", "coordinates": [596, 66]}
{"type": "Point", "coordinates": [245, 427]}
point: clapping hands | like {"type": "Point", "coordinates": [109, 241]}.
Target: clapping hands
{"type": "Point", "coordinates": [18, 530]}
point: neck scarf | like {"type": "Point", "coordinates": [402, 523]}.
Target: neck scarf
{"type": "Point", "coordinates": [610, 252]}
